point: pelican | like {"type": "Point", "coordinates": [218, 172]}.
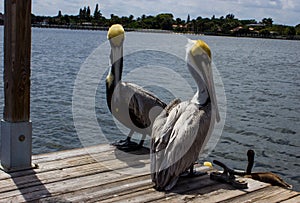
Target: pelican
{"type": "Point", "coordinates": [266, 177]}
{"type": "Point", "coordinates": [180, 132]}
{"type": "Point", "coordinates": [130, 104]}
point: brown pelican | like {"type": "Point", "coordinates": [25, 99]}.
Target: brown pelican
{"type": "Point", "coordinates": [266, 177]}
{"type": "Point", "coordinates": [181, 131]}
{"type": "Point", "coordinates": [130, 104]}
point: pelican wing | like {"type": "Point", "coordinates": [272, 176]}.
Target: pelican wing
{"type": "Point", "coordinates": [141, 105]}
{"type": "Point", "coordinates": [163, 125]}
{"type": "Point", "coordinates": [185, 138]}
{"type": "Point", "coordinates": [161, 131]}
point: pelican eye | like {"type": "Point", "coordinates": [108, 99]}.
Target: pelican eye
{"type": "Point", "coordinates": [199, 47]}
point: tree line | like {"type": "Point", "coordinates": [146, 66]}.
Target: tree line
{"type": "Point", "coordinates": [225, 25]}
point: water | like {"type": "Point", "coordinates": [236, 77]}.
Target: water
{"type": "Point", "coordinates": [262, 86]}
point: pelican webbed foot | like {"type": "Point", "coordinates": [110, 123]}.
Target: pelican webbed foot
{"type": "Point", "coordinates": [127, 145]}
{"type": "Point", "coordinates": [191, 172]}
{"type": "Point", "coordinates": [119, 142]}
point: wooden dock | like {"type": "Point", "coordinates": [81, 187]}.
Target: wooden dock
{"type": "Point", "coordinates": [103, 174]}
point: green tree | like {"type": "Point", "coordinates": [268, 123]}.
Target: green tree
{"type": "Point", "coordinates": [81, 13]}
{"type": "Point", "coordinates": [131, 17]}
{"type": "Point", "coordinates": [264, 32]}
{"type": "Point", "coordinates": [114, 19]}
{"type": "Point", "coordinates": [84, 12]}
{"type": "Point", "coordinates": [65, 19]}
{"type": "Point", "coordinates": [267, 21]}
{"type": "Point", "coordinates": [247, 22]}
{"type": "Point", "coordinates": [290, 31]}
{"type": "Point", "coordinates": [179, 21]}
{"type": "Point", "coordinates": [297, 29]}
{"type": "Point", "coordinates": [149, 22]}
{"type": "Point", "coordinates": [188, 19]}
{"type": "Point", "coordinates": [229, 16]}
{"type": "Point", "coordinates": [165, 21]}
{"type": "Point", "coordinates": [97, 13]}
{"type": "Point", "coordinates": [88, 13]}
{"type": "Point", "coordinates": [59, 14]}
{"type": "Point", "coordinates": [229, 23]}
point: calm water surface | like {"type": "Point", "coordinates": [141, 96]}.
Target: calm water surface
{"type": "Point", "coordinates": [262, 86]}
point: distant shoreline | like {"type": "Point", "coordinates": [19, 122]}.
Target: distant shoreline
{"type": "Point", "coordinates": [100, 28]}
{"type": "Point", "coordinates": [92, 27]}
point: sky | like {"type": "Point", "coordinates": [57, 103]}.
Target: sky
{"type": "Point", "coordinates": [285, 12]}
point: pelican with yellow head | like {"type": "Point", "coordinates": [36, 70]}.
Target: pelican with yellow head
{"type": "Point", "coordinates": [180, 134]}
{"type": "Point", "coordinates": [129, 103]}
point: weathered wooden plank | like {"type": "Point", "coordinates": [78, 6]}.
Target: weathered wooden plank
{"type": "Point", "coordinates": [211, 193]}
{"type": "Point", "coordinates": [295, 199]}
{"type": "Point", "coordinates": [75, 161]}
{"type": "Point", "coordinates": [183, 185]}
{"type": "Point", "coordinates": [278, 196]}
{"type": "Point", "coordinates": [268, 194]}
{"type": "Point", "coordinates": [50, 166]}
{"type": "Point", "coordinates": [67, 173]}
{"type": "Point", "coordinates": [101, 194]}
{"type": "Point", "coordinates": [145, 194]}
{"type": "Point", "coordinates": [60, 155]}
{"type": "Point", "coordinates": [110, 191]}
{"type": "Point", "coordinates": [63, 187]}
{"type": "Point", "coordinates": [217, 192]}
{"type": "Point", "coordinates": [17, 50]}
{"type": "Point", "coordinates": [52, 176]}
{"type": "Point", "coordinates": [106, 153]}
{"type": "Point", "coordinates": [58, 164]}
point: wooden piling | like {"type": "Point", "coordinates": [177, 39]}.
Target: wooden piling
{"type": "Point", "coordinates": [17, 50]}
{"type": "Point", "coordinates": [16, 127]}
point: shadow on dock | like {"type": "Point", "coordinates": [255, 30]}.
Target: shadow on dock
{"type": "Point", "coordinates": [134, 159]}
{"type": "Point", "coordinates": [25, 180]}
{"type": "Point", "coordinates": [196, 186]}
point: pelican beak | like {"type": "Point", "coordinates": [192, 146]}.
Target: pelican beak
{"type": "Point", "coordinates": [201, 54]}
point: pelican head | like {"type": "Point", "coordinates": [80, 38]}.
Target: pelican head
{"type": "Point", "coordinates": [116, 35]}
{"type": "Point", "coordinates": [199, 59]}
{"type": "Point", "coordinates": [199, 47]}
